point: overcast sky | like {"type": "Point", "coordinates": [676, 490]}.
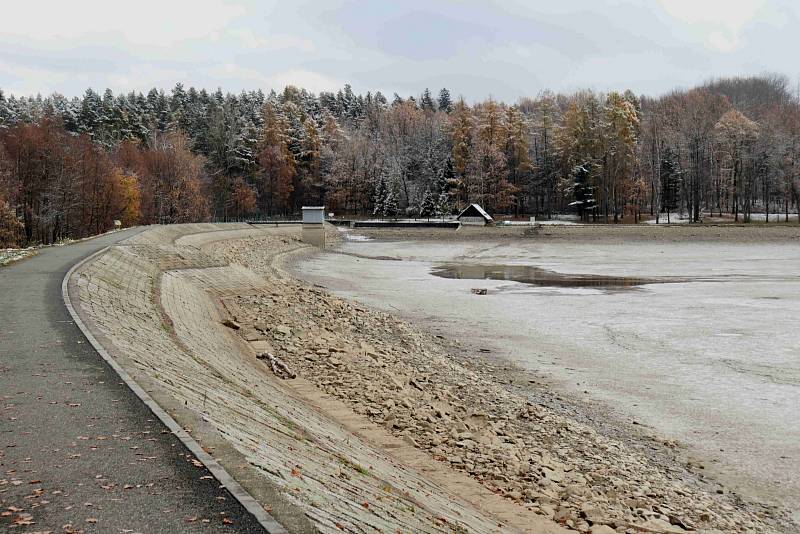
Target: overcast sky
{"type": "Point", "coordinates": [505, 49]}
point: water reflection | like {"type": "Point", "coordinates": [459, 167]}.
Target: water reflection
{"type": "Point", "coordinates": [536, 276]}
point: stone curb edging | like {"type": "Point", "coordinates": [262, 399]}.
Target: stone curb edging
{"type": "Point", "coordinates": [270, 525]}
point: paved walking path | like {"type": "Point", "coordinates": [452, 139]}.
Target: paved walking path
{"type": "Point", "coordinates": [78, 450]}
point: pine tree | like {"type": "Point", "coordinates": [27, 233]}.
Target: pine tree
{"type": "Point", "coordinates": [5, 113]}
{"type": "Point", "coordinates": [379, 198]}
{"type": "Point", "coordinates": [90, 115]}
{"type": "Point", "coordinates": [391, 205]}
{"type": "Point", "coordinates": [109, 127]}
{"type": "Point", "coordinates": [445, 103]}
{"type": "Point", "coordinates": [442, 205]}
{"type": "Point", "coordinates": [426, 101]}
{"type": "Point", "coordinates": [135, 111]}
{"type": "Point", "coordinates": [441, 188]}
{"type": "Point", "coordinates": [163, 114]}
{"type": "Point", "coordinates": [178, 105]}
{"type": "Point", "coordinates": [380, 100]}
{"type": "Point", "coordinates": [349, 99]}
{"type": "Point", "coordinates": [428, 204]}
{"type": "Point", "coordinates": [122, 119]}
{"type": "Point", "coordinates": [583, 192]}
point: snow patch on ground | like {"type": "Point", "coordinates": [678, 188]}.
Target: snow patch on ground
{"type": "Point", "coordinates": [557, 219]}
{"type": "Point", "coordinates": [10, 255]}
{"type": "Point", "coordinates": [773, 217]}
{"type": "Point", "coordinates": [673, 219]}
{"type": "Point", "coordinates": [761, 217]}
{"type": "Point", "coordinates": [556, 222]}
{"type": "Point", "coordinates": [349, 236]}
{"type": "Point", "coordinates": [357, 237]}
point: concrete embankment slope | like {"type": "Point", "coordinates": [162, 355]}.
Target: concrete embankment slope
{"type": "Point", "coordinates": [154, 302]}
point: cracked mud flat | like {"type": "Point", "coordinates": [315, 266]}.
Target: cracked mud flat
{"type": "Point", "coordinates": [711, 363]}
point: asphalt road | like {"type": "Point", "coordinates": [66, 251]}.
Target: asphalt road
{"type": "Point", "coordinates": [79, 452]}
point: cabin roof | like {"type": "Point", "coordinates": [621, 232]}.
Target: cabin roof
{"type": "Point", "coordinates": [475, 209]}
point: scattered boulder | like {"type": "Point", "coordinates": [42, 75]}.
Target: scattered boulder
{"type": "Point", "coordinates": [283, 330]}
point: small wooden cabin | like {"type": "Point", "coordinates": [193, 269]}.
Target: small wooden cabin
{"type": "Point", "coordinates": [474, 214]}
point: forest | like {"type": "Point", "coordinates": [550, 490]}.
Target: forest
{"type": "Point", "coordinates": [70, 167]}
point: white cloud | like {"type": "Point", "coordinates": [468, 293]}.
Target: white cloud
{"type": "Point", "coordinates": [532, 54]}
{"type": "Point", "coordinates": [722, 42]}
{"type": "Point", "coordinates": [144, 22]}
{"type": "Point", "coordinates": [272, 42]}
{"type": "Point", "coordinates": [720, 21]}
{"type": "Point", "coordinates": [142, 77]}
{"type": "Point", "coordinates": [231, 71]}
{"type": "Point", "coordinates": [24, 80]}
{"type": "Point", "coordinates": [248, 77]}
{"type": "Point", "coordinates": [313, 81]}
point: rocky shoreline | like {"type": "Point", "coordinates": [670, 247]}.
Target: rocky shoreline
{"type": "Point", "coordinates": [479, 416]}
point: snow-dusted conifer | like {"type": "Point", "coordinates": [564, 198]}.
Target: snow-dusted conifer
{"type": "Point", "coordinates": [445, 102]}
{"type": "Point", "coordinates": [379, 198]}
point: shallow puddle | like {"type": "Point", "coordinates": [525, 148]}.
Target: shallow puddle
{"type": "Point", "coordinates": [536, 276]}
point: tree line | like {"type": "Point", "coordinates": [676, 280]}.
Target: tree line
{"type": "Point", "coordinates": [70, 167]}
